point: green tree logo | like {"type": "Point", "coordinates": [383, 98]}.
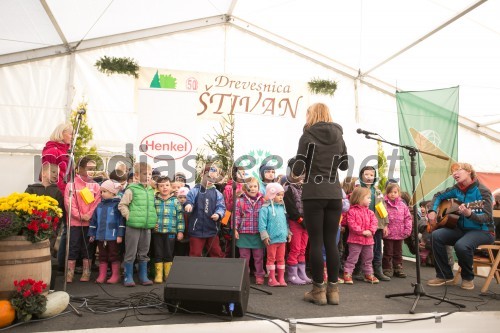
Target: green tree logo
{"type": "Point", "coordinates": [259, 156]}
{"type": "Point", "coordinates": [163, 81]}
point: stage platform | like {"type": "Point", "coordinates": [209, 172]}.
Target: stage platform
{"type": "Point", "coordinates": [114, 306]}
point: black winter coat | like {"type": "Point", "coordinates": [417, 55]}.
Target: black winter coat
{"type": "Point", "coordinates": [323, 150]}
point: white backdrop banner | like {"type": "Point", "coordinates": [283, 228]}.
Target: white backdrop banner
{"type": "Point", "coordinates": [178, 110]}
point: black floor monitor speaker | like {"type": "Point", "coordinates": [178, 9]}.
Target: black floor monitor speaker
{"type": "Point", "coordinates": [218, 286]}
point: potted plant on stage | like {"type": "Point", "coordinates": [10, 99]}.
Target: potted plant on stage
{"type": "Point", "coordinates": [28, 299]}
{"type": "Point", "coordinates": [27, 221]}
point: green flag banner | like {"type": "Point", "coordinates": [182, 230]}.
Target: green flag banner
{"type": "Point", "coordinates": [428, 120]}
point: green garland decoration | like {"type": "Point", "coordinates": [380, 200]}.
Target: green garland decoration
{"type": "Point", "coordinates": [112, 65]}
{"type": "Point", "coordinates": [323, 87]}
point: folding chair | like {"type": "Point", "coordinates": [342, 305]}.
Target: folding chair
{"type": "Point", "coordinates": [492, 262]}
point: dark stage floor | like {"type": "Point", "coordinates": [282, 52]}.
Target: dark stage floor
{"type": "Point", "coordinates": [98, 305]}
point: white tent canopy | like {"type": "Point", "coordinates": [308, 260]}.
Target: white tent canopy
{"type": "Point", "coordinates": [48, 49]}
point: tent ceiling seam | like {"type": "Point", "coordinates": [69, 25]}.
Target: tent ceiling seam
{"type": "Point", "coordinates": [232, 5]}
{"type": "Point", "coordinates": [429, 34]}
{"type": "Point", "coordinates": [93, 25]}
{"type": "Point", "coordinates": [124, 38]}
{"type": "Point", "coordinates": [314, 57]}
{"type": "Point", "coordinates": [291, 46]}
{"type": "Point", "coordinates": [56, 26]}
{"type": "Point", "coordinates": [203, 23]}
{"type": "Point", "coordinates": [494, 122]}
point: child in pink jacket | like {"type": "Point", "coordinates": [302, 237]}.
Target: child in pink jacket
{"type": "Point", "coordinates": [399, 228]}
{"type": "Point", "coordinates": [80, 214]}
{"type": "Point", "coordinates": [362, 224]}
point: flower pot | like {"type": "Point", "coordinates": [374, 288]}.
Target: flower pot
{"type": "Point", "coordinates": [21, 259]}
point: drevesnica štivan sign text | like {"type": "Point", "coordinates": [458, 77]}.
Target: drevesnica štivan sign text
{"type": "Point", "coordinates": [235, 96]}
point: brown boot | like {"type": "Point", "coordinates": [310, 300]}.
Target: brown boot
{"type": "Point", "coordinates": [399, 272]}
{"type": "Point", "coordinates": [71, 271]}
{"type": "Point", "coordinates": [317, 295]}
{"type": "Point", "coordinates": [86, 270]}
{"type": "Point", "coordinates": [332, 293]}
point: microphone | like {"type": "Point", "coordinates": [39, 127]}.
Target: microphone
{"type": "Point", "coordinates": [81, 111]}
{"type": "Point", "coordinates": [360, 131]}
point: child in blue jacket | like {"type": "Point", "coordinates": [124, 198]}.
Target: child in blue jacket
{"type": "Point", "coordinates": [206, 205]}
{"type": "Point", "coordinates": [275, 233]}
{"type": "Point", "coordinates": [107, 226]}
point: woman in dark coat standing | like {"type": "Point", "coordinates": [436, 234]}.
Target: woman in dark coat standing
{"type": "Point", "coordinates": [320, 153]}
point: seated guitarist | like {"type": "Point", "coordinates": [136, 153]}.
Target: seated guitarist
{"type": "Point", "coordinates": [473, 228]}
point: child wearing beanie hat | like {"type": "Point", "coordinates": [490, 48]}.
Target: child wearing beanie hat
{"type": "Point", "coordinates": [182, 247]}
{"type": "Point", "coordinates": [182, 194]}
{"type": "Point", "coordinates": [111, 186]}
{"type": "Point", "coordinates": [273, 189]}
{"type": "Point", "coordinates": [275, 233]}
{"type": "Point", "coordinates": [267, 175]}
{"type": "Point", "coordinates": [108, 228]}
{"type": "Point", "coordinates": [180, 178]}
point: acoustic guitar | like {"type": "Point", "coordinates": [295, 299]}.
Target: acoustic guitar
{"type": "Point", "coordinates": [448, 214]}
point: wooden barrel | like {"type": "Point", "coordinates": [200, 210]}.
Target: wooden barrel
{"type": "Point", "coordinates": [20, 259]}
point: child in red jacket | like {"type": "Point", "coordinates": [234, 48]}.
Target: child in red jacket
{"type": "Point", "coordinates": [362, 225]}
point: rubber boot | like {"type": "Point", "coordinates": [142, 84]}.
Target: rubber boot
{"type": "Point", "coordinates": [71, 271]}
{"type": "Point", "coordinates": [166, 269]}
{"type": "Point", "coordinates": [128, 281]}
{"type": "Point", "coordinates": [271, 282]}
{"type": "Point", "coordinates": [86, 270]}
{"type": "Point", "coordinates": [377, 271]}
{"type": "Point", "coordinates": [143, 274]}
{"type": "Point", "coordinates": [301, 272]}
{"type": "Point", "coordinates": [317, 295]}
{"type": "Point", "coordinates": [293, 278]}
{"type": "Point", "coordinates": [281, 275]}
{"type": "Point", "coordinates": [158, 272]}
{"type": "Point", "coordinates": [399, 272]}
{"type": "Point", "coordinates": [103, 270]}
{"type": "Point", "coordinates": [332, 293]}
{"type": "Point", "coordinates": [115, 273]}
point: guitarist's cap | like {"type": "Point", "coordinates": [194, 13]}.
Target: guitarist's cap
{"type": "Point", "coordinates": [465, 166]}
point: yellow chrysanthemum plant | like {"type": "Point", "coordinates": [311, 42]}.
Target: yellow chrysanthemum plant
{"type": "Point", "coordinates": [35, 216]}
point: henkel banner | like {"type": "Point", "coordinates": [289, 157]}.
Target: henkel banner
{"type": "Point", "coordinates": [178, 110]}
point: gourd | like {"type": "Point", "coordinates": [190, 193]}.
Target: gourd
{"type": "Point", "coordinates": [57, 302]}
{"type": "Point", "coordinates": [7, 313]}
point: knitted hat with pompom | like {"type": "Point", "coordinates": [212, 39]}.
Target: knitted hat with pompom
{"type": "Point", "coordinates": [272, 189]}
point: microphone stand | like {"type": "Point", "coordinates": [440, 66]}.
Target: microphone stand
{"type": "Point", "coordinates": [69, 178]}
{"type": "Point", "coordinates": [418, 290]}
{"type": "Point", "coordinates": [233, 223]}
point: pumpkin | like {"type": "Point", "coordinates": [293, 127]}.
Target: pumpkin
{"type": "Point", "coordinates": [7, 313]}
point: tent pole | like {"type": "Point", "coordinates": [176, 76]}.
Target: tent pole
{"type": "Point", "coordinates": [54, 22]}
